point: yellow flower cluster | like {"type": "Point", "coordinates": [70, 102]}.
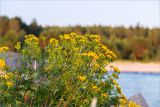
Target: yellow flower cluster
{"type": "Point", "coordinates": [119, 89]}
{"type": "Point", "coordinates": [125, 103]}
{"type": "Point", "coordinates": [53, 41]}
{"type": "Point", "coordinates": [82, 78]}
{"type": "Point", "coordinates": [2, 63]}
{"type": "Point", "coordinates": [78, 61]}
{"type": "Point", "coordinates": [114, 81]}
{"type": "Point", "coordinates": [103, 70]}
{"type": "Point", "coordinates": [103, 47]}
{"type": "Point", "coordinates": [31, 38]}
{"type": "Point", "coordinates": [95, 37]}
{"type": "Point", "coordinates": [82, 39]}
{"type": "Point", "coordinates": [95, 88]}
{"type": "Point", "coordinates": [73, 34]}
{"type": "Point", "coordinates": [101, 55]}
{"type": "Point", "coordinates": [133, 104]}
{"type": "Point", "coordinates": [105, 95]}
{"type": "Point", "coordinates": [124, 97]}
{"type": "Point", "coordinates": [67, 37]}
{"type": "Point", "coordinates": [3, 49]}
{"type": "Point", "coordinates": [5, 75]}
{"type": "Point", "coordinates": [91, 54]}
{"type": "Point", "coordinates": [18, 45]}
{"type": "Point", "coordinates": [109, 54]}
{"type": "Point", "coordinates": [9, 83]}
{"type": "Point", "coordinates": [115, 69]}
{"type": "Point", "coordinates": [96, 65]}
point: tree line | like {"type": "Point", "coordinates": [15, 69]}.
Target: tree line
{"type": "Point", "coordinates": [130, 43]}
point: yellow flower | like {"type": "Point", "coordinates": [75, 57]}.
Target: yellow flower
{"type": "Point", "coordinates": [66, 37]}
{"type": "Point", "coordinates": [2, 63]}
{"type": "Point", "coordinates": [115, 75]}
{"type": "Point", "coordinates": [123, 101]}
{"type": "Point", "coordinates": [91, 54]}
{"type": "Point", "coordinates": [114, 81]}
{"type": "Point", "coordinates": [18, 45]}
{"type": "Point", "coordinates": [73, 34]}
{"type": "Point", "coordinates": [101, 55]}
{"type": "Point", "coordinates": [2, 73]}
{"type": "Point", "coordinates": [104, 47]}
{"type": "Point", "coordinates": [103, 70]}
{"type": "Point", "coordinates": [82, 39]}
{"type": "Point", "coordinates": [133, 104]}
{"type": "Point", "coordinates": [96, 65]}
{"type": "Point", "coordinates": [104, 95]}
{"type": "Point", "coordinates": [95, 37]}
{"type": "Point", "coordinates": [95, 88]}
{"type": "Point", "coordinates": [119, 89]}
{"type": "Point", "coordinates": [115, 69]}
{"type": "Point", "coordinates": [110, 54]}
{"type": "Point", "coordinates": [124, 97]}
{"type": "Point", "coordinates": [3, 49]}
{"type": "Point", "coordinates": [82, 78]}
{"type": "Point", "coordinates": [31, 38]}
{"type": "Point", "coordinates": [5, 75]}
{"type": "Point", "coordinates": [9, 84]}
{"type": "Point", "coordinates": [53, 41]}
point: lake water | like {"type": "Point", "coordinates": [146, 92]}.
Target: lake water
{"type": "Point", "coordinates": [145, 83]}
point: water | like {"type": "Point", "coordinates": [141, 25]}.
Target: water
{"type": "Point", "coordinates": [146, 84]}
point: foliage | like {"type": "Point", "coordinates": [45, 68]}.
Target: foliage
{"type": "Point", "coordinates": [68, 71]}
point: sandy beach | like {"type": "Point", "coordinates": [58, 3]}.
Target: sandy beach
{"type": "Point", "coordinates": [128, 66]}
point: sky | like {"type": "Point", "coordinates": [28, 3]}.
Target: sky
{"type": "Point", "coordinates": [84, 12]}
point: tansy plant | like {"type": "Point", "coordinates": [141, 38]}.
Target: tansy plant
{"type": "Point", "coordinates": [65, 72]}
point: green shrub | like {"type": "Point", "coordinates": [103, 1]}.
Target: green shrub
{"type": "Point", "coordinates": [66, 72]}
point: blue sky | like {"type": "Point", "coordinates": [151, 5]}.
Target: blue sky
{"type": "Point", "coordinates": [84, 12]}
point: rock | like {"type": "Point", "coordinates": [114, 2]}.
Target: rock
{"type": "Point", "coordinates": [138, 99]}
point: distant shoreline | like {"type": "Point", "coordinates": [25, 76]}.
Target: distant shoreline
{"type": "Point", "coordinates": [137, 67]}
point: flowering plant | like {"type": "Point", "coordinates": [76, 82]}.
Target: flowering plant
{"type": "Point", "coordinates": [68, 71]}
